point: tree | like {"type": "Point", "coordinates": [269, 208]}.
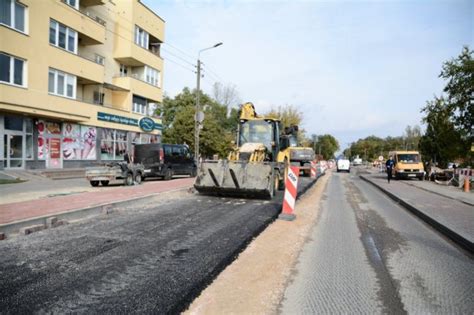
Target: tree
{"type": "Point", "coordinates": [178, 123]}
{"type": "Point", "coordinates": [412, 137]}
{"type": "Point", "coordinates": [289, 115]}
{"type": "Point", "coordinates": [459, 72]}
{"type": "Point", "coordinates": [450, 118]}
{"type": "Point", "coordinates": [226, 95]}
{"type": "Point", "coordinates": [327, 145]}
{"type": "Point", "coordinates": [441, 142]}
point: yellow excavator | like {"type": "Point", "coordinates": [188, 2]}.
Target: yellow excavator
{"type": "Point", "coordinates": [299, 156]}
{"type": "Point", "coordinates": [256, 166]}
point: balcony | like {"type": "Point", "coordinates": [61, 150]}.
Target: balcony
{"type": "Point", "coordinates": [81, 65]}
{"type": "Point", "coordinates": [91, 3]}
{"type": "Point", "coordinates": [84, 22]}
{"type": "Point", "coordinates": [130, 54]}
{"type": "Point", "coordinates": [136, 85]}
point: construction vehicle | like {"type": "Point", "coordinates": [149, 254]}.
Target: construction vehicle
{"type": "Point", "coordinates": [256, 166]}
{"type": "Point", "coordinates": [299, 156]}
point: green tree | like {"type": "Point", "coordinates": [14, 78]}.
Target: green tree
{"type": "Point", "coordinates": [327, 145]}
{"type": "Point", "coordinates": [178, 123]}
{"type": "Point", "coordinates": [441, 142]}
{"type": "Point", "coordinates": [459, 72]}
{"type": "Point", "coordinates": [449, 118]}
{"type": "Point", "coordinates": [289, 115]}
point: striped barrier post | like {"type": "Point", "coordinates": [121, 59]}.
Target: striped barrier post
{"type": "Point", "coordinates": [313, 169]}
{"type": "Point", "coordinates": [465, 176]}
{"type": "Point", "coordinates": [291, 189]}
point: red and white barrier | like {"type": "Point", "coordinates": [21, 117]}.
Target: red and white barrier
{"type": "Point", "coordinates": [313, 169]}
{"type": "Point", "coordinates": [291, 189]}
{"type": "Point", "coordinates": [465, 172]}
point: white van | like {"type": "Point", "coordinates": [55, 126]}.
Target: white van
{"type": "Point", "coordinates": [343, 164]}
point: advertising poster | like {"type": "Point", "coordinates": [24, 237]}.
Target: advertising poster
{"type": "Point", "coordinates": [78, 142]}
{"type": "Point", "coordinates": [42, 141]}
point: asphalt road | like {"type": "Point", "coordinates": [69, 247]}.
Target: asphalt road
{"type": "Point", "coordinates": [368, 255]}
{"type": "Point", "coordinates": [152, 258]}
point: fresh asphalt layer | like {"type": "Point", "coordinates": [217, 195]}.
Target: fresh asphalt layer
{"type": "Point", "coordinates": [149, 258]}
{"type": "Point", "coordinates": [368, 255]}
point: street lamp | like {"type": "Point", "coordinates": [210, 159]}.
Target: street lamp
{"type": "Point", "coordinates": [198, 117]}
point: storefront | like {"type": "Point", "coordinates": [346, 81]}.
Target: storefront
{"type": "Point", "coordinates": [34, 143]}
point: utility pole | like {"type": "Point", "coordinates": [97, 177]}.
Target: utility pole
{"type": "Point", "coordinates": [198, 116]}
{"type": "Point", "coordinates": [198, 109]}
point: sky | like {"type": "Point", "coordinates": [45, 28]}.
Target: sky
{"type": "Point", "coordinates": [353, 68]}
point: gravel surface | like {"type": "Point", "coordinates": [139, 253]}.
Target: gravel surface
{"type": "Point", "coordinates": [369, 255]}
{"type": "Point", "coordinates": [154, 258]}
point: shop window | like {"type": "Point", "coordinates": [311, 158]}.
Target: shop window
{"type": "Point", "coordinates": [113, 144]}
{"type": "Point", "coordinates": [13, 123]}
{"type": "Point", "coordinates": [78, 142]}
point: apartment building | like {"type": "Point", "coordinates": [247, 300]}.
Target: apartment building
{"type": "Point", "coordinates": [80, 81]}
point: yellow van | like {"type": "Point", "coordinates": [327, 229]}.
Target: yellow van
{"type": "Point", "coordinates": [408, 164]}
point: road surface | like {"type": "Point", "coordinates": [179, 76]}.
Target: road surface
{"type": "Point", "coordinates": [368, 255]}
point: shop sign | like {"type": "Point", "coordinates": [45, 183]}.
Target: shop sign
{"type": "Point", "coordinates": [146, 124]}
{"type": "Point", "coordinates": [117, 119]}
{"type": "Point", "coordinates": [55, 148]}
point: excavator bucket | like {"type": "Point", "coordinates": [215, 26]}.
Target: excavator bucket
{"type": "Point", "coordinates": [236, 179]}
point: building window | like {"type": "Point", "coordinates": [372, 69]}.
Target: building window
{"type": "Point", "coordinates": [152, 76]}
{"type": "Point", "coordinates": [12, 70]}
{"type": "Point", "coordinates": [139, 105]}
{"type": "Point", "coordinates": [12, 14]}
{"type": "Point", "coordinates": [99, 98]}
{"type": "Point", "coordinates": [123, 70]}
{"type": "Point", "coordinates": [72, 3]}
{"type": "Point", "coordinates": [113, 144]}
{"type": "Point", "coordinates": [61, 83]}
{"type": "Point", "coordinates": [62, 36]}
{"type": "Point", "coordinates": [141, 37]}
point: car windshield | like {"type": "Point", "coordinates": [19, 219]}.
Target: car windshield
{"type": "Point", "coordinates": [408, 158]}
{"type": "Point", "coordinates": [256, 131]}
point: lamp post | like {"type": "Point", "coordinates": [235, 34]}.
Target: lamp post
{"type": "Point", "coordinates": [197, 116]}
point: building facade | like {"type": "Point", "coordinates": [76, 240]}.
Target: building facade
{"type": "Point", "coordinates": [80, 81]}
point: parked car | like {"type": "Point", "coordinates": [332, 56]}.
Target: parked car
{"type": "Point", "coordinates": [165, 160]}
{"type": "Point", "coordinates": [343, 164]}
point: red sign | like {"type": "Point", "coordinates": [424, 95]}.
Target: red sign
{"type": "Point", "coordinates": [54, 148]}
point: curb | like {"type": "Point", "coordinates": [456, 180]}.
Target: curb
{"type": "Point", "coordinates": [452, 235]}
{"type": "Point", "coordinates": [7, 229]}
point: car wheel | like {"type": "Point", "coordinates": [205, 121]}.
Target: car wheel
{"type": "Point", "coordinates": [420, 177]}
{"type": "Point", "coordinates": [193, 173]}
{"type": "Point", "coordinates": [168, 174]}
{"type": "Point", "coordinates": [104, 182]}
{"type": "Point", "coordinates": [128, 181]}
{"type": "Point", "coordinates": [138, 178]}
{"type": "Point", "coordinates": [94, 183]}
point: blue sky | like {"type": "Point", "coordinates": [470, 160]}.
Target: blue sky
{"type": "Point", "coordinates": [354, 68]}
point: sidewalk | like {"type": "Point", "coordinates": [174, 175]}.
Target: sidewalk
{"type": "Point", "coordinates": [454, 218]}
{"type": "Point", "coordinates": [80, 198]}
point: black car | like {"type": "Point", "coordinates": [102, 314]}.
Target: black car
{"type": "Point", "coordinates": [165, 160]}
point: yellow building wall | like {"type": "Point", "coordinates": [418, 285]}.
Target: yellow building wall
{"type": "Point", "coordinates": [34, 47]}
